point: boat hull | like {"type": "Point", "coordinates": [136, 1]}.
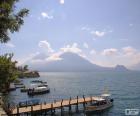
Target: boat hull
{"type": "Point", "coordinates": [32, 92]}
{"type": "Point", "coordinates": [91, 109]}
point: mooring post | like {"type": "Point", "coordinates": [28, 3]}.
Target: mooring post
{"type": "Point", "coordinates": [77, 105]}
{"type": "Point", "coordinates": [17, 110]}
{"type": "Point", "coordinates": [62, 107]}
{"type": "Point", "coordinates": [31, 110]}
{"type": "Point", "coordinates": [40, 109]}
{"type": "Point", "coordinates": [91, 99]}
{"type": "Point", "coordinates": [40, 106]}
{"type": "Point", "coordinates": [84, 102]}
{"type": "Point", "coordinates": [70, 105]}
{"type": "Point", "coordinates": [52, 109]}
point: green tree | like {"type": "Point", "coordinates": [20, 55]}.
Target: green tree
{"type": "Point", "coordinates": [25, 68]}
{"type": "Point", "coordinates": [10, 19]}
{"type": "Point", "coordinates": [10, 22]}
{"type": "Point", "coordinates": [8, 71]}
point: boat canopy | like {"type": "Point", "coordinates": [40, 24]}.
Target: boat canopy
{"type": "Point", "coordinates": [99, 99]}
{"type": "Point", "coordinates": [43, 87]}
{"type": "Point", "coordinates": [106, 95]}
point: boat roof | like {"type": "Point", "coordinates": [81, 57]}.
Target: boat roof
{"type": "Point", "coordinates": [36, 81]}
{"type": "Point", "coordinates": [42, 87]}
{"type": "Point", "coordinates": [106, 95]}
{"type": "Point", "coordinates": [98, 99]}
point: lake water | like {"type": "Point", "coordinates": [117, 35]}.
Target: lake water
{"type": "Point", "coordinates": [124, 87]}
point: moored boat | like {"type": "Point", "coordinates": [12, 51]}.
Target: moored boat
{"type": "Point", "coordinates": [12, 87]}
{"type": "Point", "coordinates": [29, 103]}
{"type": "Point", "coordinates": [24, 89]}
{"type": "Point", "coordinates": [41, 89]}
{"type": "Point", "coordinates": [100, 104]}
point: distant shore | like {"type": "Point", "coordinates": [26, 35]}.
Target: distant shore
{"type": "Point", "coordinates": [28, 74]}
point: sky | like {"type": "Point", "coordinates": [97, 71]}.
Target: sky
{"type": "Point", "coordinates": [105, 32]}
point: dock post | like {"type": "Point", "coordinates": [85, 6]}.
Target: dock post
{"type": "Point", "coordinates": [84, 102]}
{"type": "Point", "coordinates": [52, 109]}
{"type": "Point", "coordinates": [91, 99]}
{"type": "Point", "coordinates": [62, 107]}
{"type": "Point", "coordinates": [70, 106]}
{"type": "Point", "coordinates": [40, 109]}
{"type": "Point", "coordinates": [41, 106]}
{"type": "Point", "coordinates": [31, 110]}
{"type": "Point", "coordinates": [77, 105]}
{"type": "Point", "coordinates": [45, 111]}
{"type": "Point", "coordinates": [17, 110]}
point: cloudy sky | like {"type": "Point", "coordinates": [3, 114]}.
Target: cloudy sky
{"type": "Point", "coordinates": [106, 32]}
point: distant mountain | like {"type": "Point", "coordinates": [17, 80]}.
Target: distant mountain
{"type": "Point", "coordinates": [72, 62]}
{"type": "Point", "coordinates": [120, 68]}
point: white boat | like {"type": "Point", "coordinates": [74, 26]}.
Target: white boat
{"type": "Point", "coordinates": [36, 83]}
{"type": "Point", "coordinates": [100, 104]}
{"type": "Point", "coordinates": [12, 87]}
{"type": "Point", "coordinates": [41, 89]}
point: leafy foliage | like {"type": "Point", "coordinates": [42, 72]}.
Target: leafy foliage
{"type": "Point", "coordinates": [9, 20]}
{"type": "Point", "coordinates": [8, 70]}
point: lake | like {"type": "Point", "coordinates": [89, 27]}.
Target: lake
{"type": "Point", "coordinates": [124, 88]}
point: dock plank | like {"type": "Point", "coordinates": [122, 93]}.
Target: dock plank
{"type": "Point", "coordinates": [55, 105]}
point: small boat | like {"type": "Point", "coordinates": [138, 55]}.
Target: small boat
{"type": "Point", "coordinates": [20, 86]}
{"type": "Point", "coordinates": [12, 87]}
{"type": "Point", "coordinates": [24, 89]}
{"type": "Point", "coordinates": [29, 103]}
{"type": "Point", "coordinates": [40, 89]}
{"type": "Point", "coordinates": [100, 104]}
{"type": "Point", "coordinates": [36, 81]}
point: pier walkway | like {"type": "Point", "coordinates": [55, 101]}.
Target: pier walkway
{"type": "Point", "coordinates": [51, 107]}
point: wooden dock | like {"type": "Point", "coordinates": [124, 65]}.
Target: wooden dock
{"type": "Point", "coordinates": [51, 107]}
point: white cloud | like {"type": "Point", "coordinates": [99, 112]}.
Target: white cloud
{"type": "Point", "coordinates": [61, 1]}
{"type": "Point", "coordinates": [28, 58]}
{"type": "Point", "coordinates": [85, 28]}
{"type": "Point", "coordinates": [129, 50]}
{"type": "Point", "coordinates": [11, 45]}
{"type": "Point", "coordinates": [46, 15]}
{"type": "Point", "coordinates": [54, 57]}
{"type": "Point", "coordinates": [45, 45]}
{"type": "Point", "coordinates": [109, 52]}
{"type": "Point", "coordinates": [71, 48]}
{"type": "Point", "coordinates": [92, 52]}
{"type": "Point", "coordinates": [127, 56]}
{"type": "Point", "coordinates": [85, 45]}
{"type": "Point", "coordinates": [98, 33]}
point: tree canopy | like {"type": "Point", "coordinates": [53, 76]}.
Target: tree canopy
{"type": "Point", "coordinates": [8, 70]}
{"type": "Point", "coordinates": [10, 20]}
